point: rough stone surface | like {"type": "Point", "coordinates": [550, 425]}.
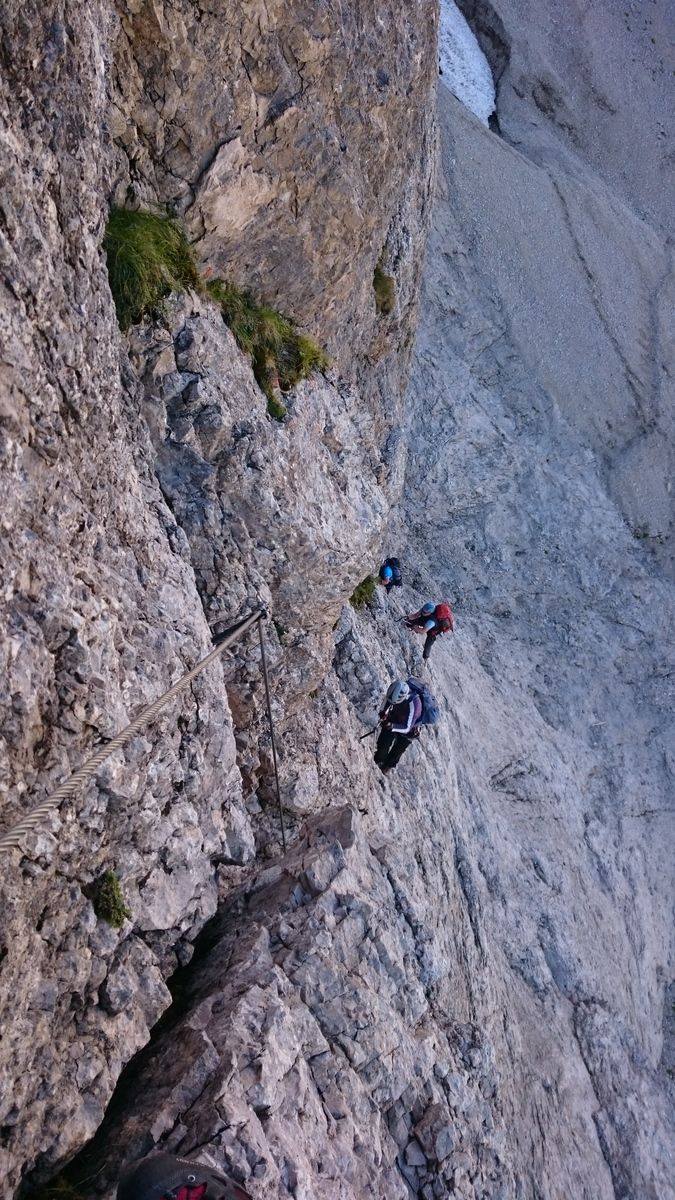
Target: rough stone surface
{"type": "Point", "coordinates": [465, 988]}
{"type": "Point", "coordinates": [587, 86]}
{"type": "Point", "coordinates": [303, 1057]}
{"type": "Point", "coordinates": [285, 132]}
{"type": "Point", "coordinates": [99, 615]}
{"type": "Point", "coordinates": [122, 545]}
{"type": "Point", "coordinates": [557, 684]}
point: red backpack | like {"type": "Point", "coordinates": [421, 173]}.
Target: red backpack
{"type": "Point", "coordinates": [444, 618]}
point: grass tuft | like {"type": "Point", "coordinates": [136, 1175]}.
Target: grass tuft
{"type": "Point", "coordinates": [276, 409]}
{"type": "Point", "coordinates": [148, 257]}
{"type": "Point", "coordinates": [281, 356]}
{"type": "Point", "coordinates": [363, 592]}
{"type": "Point", "coordinates": [60, 1189]}
{"type": "Point", "coordinates": [384, 287]}
{"type": "Point", "coordinates": [239, 311]}
{"type": "Point", "coordinates": [109, 902]}
{"type": "Point", "coordinates": [641, 532]}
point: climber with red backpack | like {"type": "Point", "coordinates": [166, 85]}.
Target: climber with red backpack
{"type": "Point", "coordinates": [407, 707]}
{"type": "Point", "coordinates": [433, 620]}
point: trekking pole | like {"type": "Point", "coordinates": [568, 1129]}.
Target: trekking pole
{"type": "Point", "coordinates": [369, 733]}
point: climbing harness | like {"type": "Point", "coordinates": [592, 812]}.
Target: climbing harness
{"type": "Point", "coordinates": [11, 839]}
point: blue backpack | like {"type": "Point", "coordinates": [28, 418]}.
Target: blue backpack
{"type": "Point", "coordinates": [430, 713]}
{"type": "Point", "coordinates": [395, 568]}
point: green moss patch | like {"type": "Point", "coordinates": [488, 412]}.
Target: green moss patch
{"type": "Point", "coordinates": [148, 257]}
{"type": "Point", "coordinates": [384, 287]}
{"type": "Point", "coordinates": [280, 354]}
{"type": "Point", "coordinates": [281, 630]}
{"type": "Point", "coordinates": [363, 592]}
{"type": "Point", "coordinates": [643, 535]}
{"type": "Point", "coordinates": [60, 1189]}
{"type": "Point", "coordinates": [276, 409]}
{"type": "Point", "coordinates": [109, 902]}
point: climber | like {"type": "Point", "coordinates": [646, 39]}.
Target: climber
{"type": "Point", "coordinates": [407, 707]}
{"type": "Point", "coordinates": [432, 620]}
{"type": "Point", "coordinates": [163, 1177]}
{"type": "Point", "coordinates": [389, 574]}
{"type": "Point", "coordinates": [399, 718]}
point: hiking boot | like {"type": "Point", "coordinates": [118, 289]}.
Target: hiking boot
{"type": "Point", "coordinates": [164, 1177]}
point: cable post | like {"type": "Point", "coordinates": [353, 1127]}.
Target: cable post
{"type": "Point", "coordinates": [271, 724]}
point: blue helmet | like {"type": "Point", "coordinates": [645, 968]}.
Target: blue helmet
{"type": "Point", "coordinates": [386, 573]}
{"type": "Point", "coordinates": [428, 608]}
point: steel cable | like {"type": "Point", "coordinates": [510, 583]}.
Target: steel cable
{"type": "Point", "coordinates": [10, 840]}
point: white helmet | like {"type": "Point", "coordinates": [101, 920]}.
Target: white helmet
{"type": "Point", "coordinates": [398, 691]}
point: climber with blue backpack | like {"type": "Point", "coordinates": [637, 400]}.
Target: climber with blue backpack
{"type": "Point", "coordinates": [407, 707]}
{"type": "Point", "coordinates": [389, 574]}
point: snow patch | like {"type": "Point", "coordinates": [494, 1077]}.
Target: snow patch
{"type": "Point", "coordinates": [464, 67]}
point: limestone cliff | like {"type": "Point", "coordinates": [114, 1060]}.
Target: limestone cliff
{"type": "Point", "coordinates": [147, 496]}
{"type": "Point", "coordinates": [458, 982]}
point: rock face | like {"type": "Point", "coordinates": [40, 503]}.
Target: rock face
{"type": "Point", "coordinates": [231, 477]}
{"type": "Point", "coordinates": [463, 989]}
{"type": "Point", "coordinates": [562, 815]}
{"type": "Point", "coordinates": [584, 97]}
{"type": "Point", "coordinates": [587, 86]}
{"type": "Point", "coordinates": [100, 614]}
{"type": "Point", "coordinates": [286, 134]}
{"type": "Point", "coordinates": [121, 536]}
{"type": "Point", "coordinates": [315, 1064]}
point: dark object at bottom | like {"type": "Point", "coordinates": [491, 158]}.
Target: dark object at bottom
{"type": "Point", "coordinates": [390, 746]}
{"type": "Point", "coordinates": [164, 1177]}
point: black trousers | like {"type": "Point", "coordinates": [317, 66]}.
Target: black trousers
{"type": "Point", "coordinates": [390, 746]}
{"type": "Point", "coordinates": [428, 643]}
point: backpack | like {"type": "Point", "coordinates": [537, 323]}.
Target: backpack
{"type": "Point", "coordinates": [430, 713]}
{"type": "Point", "coordinates": [396, 576]}
{"type": "Point", "coordinates": [443, 618]}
